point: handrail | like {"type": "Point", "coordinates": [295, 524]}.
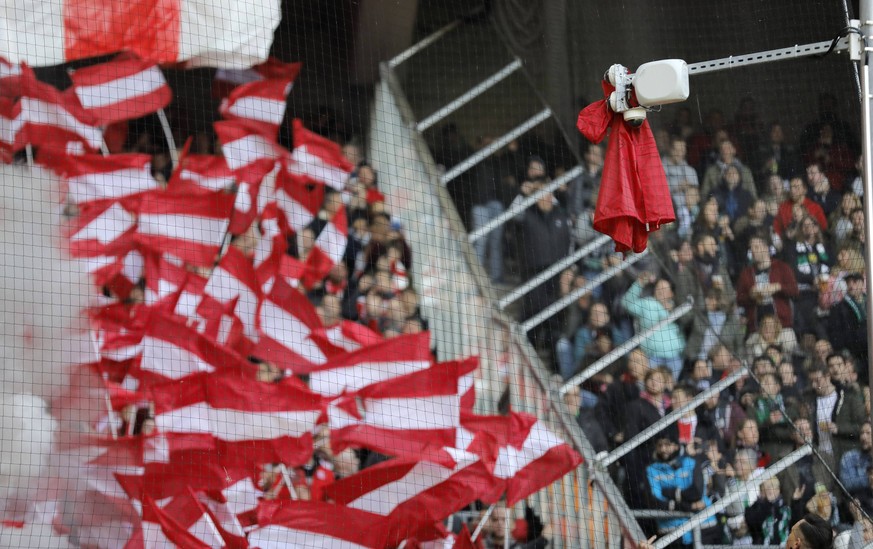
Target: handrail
{"type": "Point", "coordinates": [624, 348]}
{"type": "Point", "coordinates": [421, 44]}
{"type": "Point", "coordinates": [524, 204]}
{"type": "Point", "coordinates": [552, 271]}
{"type": "Point", "coordinates": [565, 301]}
{"type": "Point", "coordinates": [495, 146]}
{"type": "Point", "coordinates": [469, 95]}
{"type": "Point", "coordinates": [672, 417]}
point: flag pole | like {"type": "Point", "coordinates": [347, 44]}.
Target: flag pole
{"type": "Point", "coordinates": [482, 522]}
{"type": "Point", "coordinates": [104, 148]}
{"type": "Point", "coordinates": [507, 530]}
{"type": "Point", "coordinates": [168, 134]}
{"type": "Point", "coordinates": [286, 478]}
{"type": "Point", "coordinates": [108, 401]}
{"type": "Point", "coordinates": [28, 150]}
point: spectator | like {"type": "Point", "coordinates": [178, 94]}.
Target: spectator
{"type": "Point", "coordinates": [680, 175]}
{"type": "Point", "coordinates": [857, 237]}
{"type": "Point", "coordinates": [770, 332]}
{"type": "Point", "coordinates": [834, 157]}
{"type": "Point", "coordinates": [840, 220]}
{"type": "Point", "coordinates": [847, 323]}
{"type": "Point", "coordinates": [812, 532]}
{"type": "Point", "coordinates": [641, 414]}
{"type": "Point", "coordinates": [621, 395]}
{"type": "Point", "coordinates": [687, 423]}
{"type": "Point", "coordinates": [705, 272]}
{"type": "Point", "coordinates": [676, 482]}
{"type": "Point", "coordinates": [776, 157]}
{"type": "Point", "coordinates": [775, 194]}
{"type": "Point", "coordinates": [799, 481]}
{"type": "Point", "coordinates": [842, 373]}
{"type": "Point", "coordinates": [791, 388]}
{"type": "Point", "coordinates": [769, 518]}
{"type": "Point", "coordinates": [745, 469]}
{"type": "Point", "coordinates": [749, 438]}
{"type": "Point", "coordinates": [486, 205]}
{"type": "Point", "coordinates": [545, 239]}
{"type": "Point", "coordinates": [715, 322]}
{"type": "Point", "coordinates": [727, 156]}
{"type": "Point", "coordinates": [700, 376]}
{"type": "Point", "coordinates": [757, 221]}
{"type": "Point", "coordinates": [836, 413]}
{"type": "Point", "coordinates": [687, 211]}
{"type": "Point", "coordinates": [732, 199]}
{"type": "Point", "coordinates": [795, 207]}
{"type": "Point", "coordinates": [856, 463]}
{"type": "Point", "coordinates": [723, 413]}
{"type": "Point", "coordinates": [772, 412]}
{"type": "Point", "coordinates": [820, 190]}
{"type": "Point", "coordinates": [583, 188]}
{"type": "Point", "coordinates": [849, 261]}
{"type": "Point", "coordinates": [598, 322]}
{"type": "Point", "coordinates": [766, 286]}
{"type": "Point", "coordinates": [666, 344]}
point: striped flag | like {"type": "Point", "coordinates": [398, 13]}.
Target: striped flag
{"type": "Point", "coordinates": [93, 176]}
{"type": "Point", "coordinates": [121, 89]}
{"type": "Point", "coordinates": [329, 248]}
{"type": "Point", "coordinates": [319, 158]}
{"type": "Point", "coordinates": [210, 34]}
{"type": "Point", "coordinates": [284, 524]}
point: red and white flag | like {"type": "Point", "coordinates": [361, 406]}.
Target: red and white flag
{"type": "Point", "coordinates": [201, 172]}
{"type": "Point", "coordinates": [234, 278]}
{"type": "Point", "coordinates": [10, 79]}
{"type": "Point", "coordinates": [345, 337]}
{"type": "Point", "coordinates": [312, 524]}
{"type": "Point", "coordinates": [186, 225]}
{"type": "Point", "coordinates": [261, 103]}
{"type": "Point", "coordinates": [121, 89]}
{"type": "Point", "coordinates": [8, 128]}
{"type": "Point", "coordinates": [48, 117]}
{"type": "Point", "coordinates": [388, 359]}
{"type": "Point", "coordinates": [415, 495]}
{"type": "Point", "coordinates": [243, 145]}
{"type": "Point", "coordinates": [233, 408]}
{"type": "Point", "coordinates": [168, 279]}
{"type": "Point", "coordinates": [319, 158]}
{"type": "Point", "coordinates": [93, 176]}
{"type": "Point", "coordinates": [285, 320]}
{"type": "Point", "coordinates": [180, 523]}
{"type": "Point", "coordinates": [228, 79]}
{"type": "Point", "coordinates": [542, 459]}
{"type": "Point", "coordinates": [413, 416]}
{"type": "Point", "coordinates": [299, 197]}
{"type": "Point", "coordinates": [103, 228]}
{"type": "Point", "coordinates": [230, 35]}
{"type": "Point", "coordinates": [329, 248]}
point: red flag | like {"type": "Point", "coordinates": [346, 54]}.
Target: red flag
{"type": "Point", "coordinates": [244, 144]}
{"type": "Point", "coordinates": [414, 495]}
{"type": "Point", "coordinates": [299, 197]}
{"type": "Point", "coordinates": [329, 248]}
{"type": "Point", "coordinates": [319, 158]}
{"type": "Point", "coordinates": [285, 320]}
{"type": "Point", "coordinates": [283, 524]}
{"type": "Point", "coordinates": [260, 103]}
{"type": "Point", "coordinates": [234, 278]}
{"type": "Point", "coordinates": [121, 89]}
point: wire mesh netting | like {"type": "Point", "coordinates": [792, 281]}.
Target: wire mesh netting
{"type": "Point", "coordinates": [347, 274]}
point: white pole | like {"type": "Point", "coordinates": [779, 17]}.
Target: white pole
{"type": "Point", "coordinates": [482, 522]}
{"type": "Point", "coordinates": [866, 13]}
{"type": "Point", "coordinates": [168, 134]}
{"type": "Point", "coordinates": [507, 528]}
{"type": "Point", "coordinates": [108, 402]}
{"type": "Point", "coordinates": [28, 150]}
{"type": "Point", "coordinates": [286, 478]}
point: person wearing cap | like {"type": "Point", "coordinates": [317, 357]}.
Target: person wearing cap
{"type": "Point", "coordinates": [847, 324]}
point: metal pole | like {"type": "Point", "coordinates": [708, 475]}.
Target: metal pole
{"type": "Point", "coordinates": [671, 418]}
{"type": "Point", "coordinates": [482, 522]}
{"type": "Point", "coordinates": [866, 14]}
{"type": "Point", "coordinates": [722, 504]}
{"type": "Point", "coordinates": [552, 271]}
{"type": "Point", "coordinates": [507, 527]}
{"type": "Point", "coordinates": [485, 152]}
{"type": "Point", "coordinates": [468, 96]}
{"type": "Point", "coordinates": [791, 52]}
{"type": "Point", "coordinates": [565, 301]}
{"type": "Point", "coordinates": [421, 44]}
{"type": "Point", "coordinates": [623, 349]}
{"type": "Point", "coordinates": [522, 205]}
{"type": "Point", "coordinates": [168, 135]}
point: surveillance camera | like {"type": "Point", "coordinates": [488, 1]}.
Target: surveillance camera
{"type": "Point", "coordinates": [635, 116]}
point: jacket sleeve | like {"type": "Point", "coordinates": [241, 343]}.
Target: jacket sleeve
{"type": "Point", "coordinates": [645, 309]}
{"type": "Point", "coordinates": [661, 497]}
{"type": "Point", "coordinates": [853, 474]}
{"type": "Point", "coordinates": [785, 278]}
{"type": "Point", "coordinates": [849, 423]}
{"type": "Point", "coordinates": [744, 289]}
{"type": "Point", "coordinates": [697, 489]}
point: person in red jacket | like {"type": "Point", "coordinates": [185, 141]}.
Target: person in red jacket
{"type": "Point", "coordinates": [795, 208]}
{"type": "Point", "coordinates": [766, 286]}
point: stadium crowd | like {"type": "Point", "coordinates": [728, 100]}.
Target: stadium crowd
{"type": "Point", "coordinates": [768, 243]}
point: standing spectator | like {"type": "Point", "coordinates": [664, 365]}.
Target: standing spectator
{"type": "Point", "coordinates": [598, 322]}
{"type": "Point", "coordinates": [485, 207]}
{"type": "Point", "coordinates": [745, 469]}
{"type": "Point", "coordinates": [840, 220]}
{"type": "Point", "coordinates": [583, 188]}
{"type": "Point", "coordinates": [766, 286]}
{"type": "Point", "coordinates": [676, 482]}
{"type": "Point", "coordinates": [641, 414]}
{"type": "Point", "coordinates": [837, 415]}
{"type": "Point", "coordinates": [856, 463]}
{"type": "Point", "coordinates": [727, 156]}
{"type": "Point", "coordinates": [666, 344]}
{"type": "Point", "coordinates": [732, 199]}
{"type": "Point", "coordinates": [687, 211]}
{"type": "Point", "coordinates": [820, 190]}
{"type": "Point", "coordinates": [770, 332]}
{"type": "Point", "coordinates": [714, 323]}
{"type": "Point", "coordinates": [622, 393]}
{"type": "Point", "coordinates": [810, 258]}
{"type": "Point", "coordinates": [798, 482]}
{"type": "Point", "coordinates": [725, 414]}
{"type": "Point", "coordinates": [769, 518]}
{"type": "Point", "coordinates": [776, 157]}
{"type": "Point", "coordinates": [545, 239]}
{"type": "Point", "coordinates": [680, 175]}
{"type": "Point", "coordinates": [847, 323]}
{"type": "Point", "coordinates": [707, 271]}
{"type": "Point", "coordinates": [772, 411]}
{"type": "Point", "coordinates": [857, 236]}
{"type": "Point", "coordinates": [795, 207]}
{"type": "Point", "coordinates": [849, 261]}
{"type": "Point", "coordinates": [756, 221]}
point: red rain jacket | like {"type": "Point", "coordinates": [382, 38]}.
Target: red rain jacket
{"type": "Point", "coordinates": [634, 197]}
